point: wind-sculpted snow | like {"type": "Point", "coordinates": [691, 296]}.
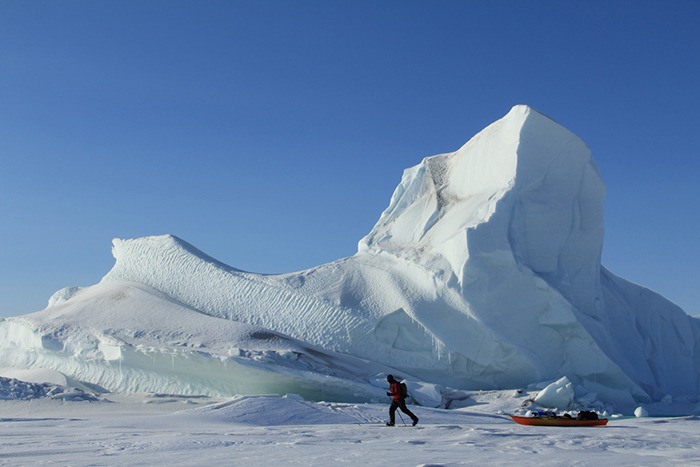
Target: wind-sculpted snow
{"type": "Point", "coordinates": [482, 273]}
{"type": "Point", "coordinates": [125, 337]}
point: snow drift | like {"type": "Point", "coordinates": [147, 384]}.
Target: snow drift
{"type": "Point", "coordinates": [483, 273]}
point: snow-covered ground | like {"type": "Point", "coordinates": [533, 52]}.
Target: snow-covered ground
{"type": "Point", "coordinates": [151, 429]}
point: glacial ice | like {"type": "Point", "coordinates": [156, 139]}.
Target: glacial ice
{"type": "Point", "coordinates": [482, 273]}
{"type": "Point", "coordinates": [559, 394]}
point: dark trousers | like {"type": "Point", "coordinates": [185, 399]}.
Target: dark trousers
{"type": "Point", "coordinates": [399, 404]}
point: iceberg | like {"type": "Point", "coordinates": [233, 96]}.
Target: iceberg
{"type": "Point", "coordinates": [484, 272]}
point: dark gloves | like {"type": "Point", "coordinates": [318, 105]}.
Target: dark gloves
{"type": "Point", "coordinates": [389, 394]}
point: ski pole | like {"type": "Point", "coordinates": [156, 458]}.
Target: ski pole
{"type": "Point", "coordinates": [401, 417]}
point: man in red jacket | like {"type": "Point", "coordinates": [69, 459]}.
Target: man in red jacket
{"type": "Point", "coordinates": [398, 393]}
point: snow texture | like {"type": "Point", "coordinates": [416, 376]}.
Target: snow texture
{"type": "Point", "coordinates": [163, 429]}
{"type": "Point", "coordinates": [483, 273]}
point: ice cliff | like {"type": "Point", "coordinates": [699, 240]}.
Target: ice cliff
{"type": "Point", "coordinates": [482, 273]}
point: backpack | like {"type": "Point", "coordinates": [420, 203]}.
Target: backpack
{"type": "Point", "coordinates": [587, 415]}
{"type": "Point", "coordinates": [404, 391]}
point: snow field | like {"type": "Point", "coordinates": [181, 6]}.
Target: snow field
{"type": "Point", "coordinates": [260, 431]}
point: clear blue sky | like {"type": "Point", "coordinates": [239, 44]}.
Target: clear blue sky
{"type": "Point", "coordinates": [271, 134]}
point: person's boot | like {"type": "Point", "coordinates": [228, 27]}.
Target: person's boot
{"type": "Point", "coordinates": [415, 421]}
{"type": "Point", "coordinates": [389, 423]}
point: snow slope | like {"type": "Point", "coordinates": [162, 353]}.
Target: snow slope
{"type": "Point", "coordinates": [482, 273]}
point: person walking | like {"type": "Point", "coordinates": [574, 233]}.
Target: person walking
{"type": "Point", "coordinates": [398, 393]}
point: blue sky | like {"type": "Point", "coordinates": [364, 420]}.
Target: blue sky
{"type": "Point", "coordinates": [271, 134]}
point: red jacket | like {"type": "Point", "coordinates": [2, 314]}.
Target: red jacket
{"type": "Point", "coordinates": [395, 390]}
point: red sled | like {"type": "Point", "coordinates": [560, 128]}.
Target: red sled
{"type": "Point", "coordinates": [557, 421]}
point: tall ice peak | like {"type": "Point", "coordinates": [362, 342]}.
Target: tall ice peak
{"type": "Point", "coordinates": [524, 184]}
